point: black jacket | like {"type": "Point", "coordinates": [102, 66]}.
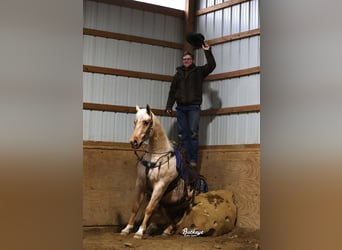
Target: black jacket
{"type": "Point", "coordinates": [187, 84]}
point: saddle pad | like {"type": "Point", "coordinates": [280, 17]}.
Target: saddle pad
{"type": "Point", "coordinates": [182, 171]}
{"type": "Point", "coordinates": [178, 160]}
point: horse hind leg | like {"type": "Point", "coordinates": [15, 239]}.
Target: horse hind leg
{"type": "Point", "coordinates": [170, 230]}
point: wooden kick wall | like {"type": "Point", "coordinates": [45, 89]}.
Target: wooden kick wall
{"type": "Point", "coordinates": [109, 178]}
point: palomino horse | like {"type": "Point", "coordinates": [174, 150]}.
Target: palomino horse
{"type": "Point", "coordinates": [157, 174]}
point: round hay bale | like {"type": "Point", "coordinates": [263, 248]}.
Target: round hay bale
{"type": "Point", "coordinates": [213, 214]}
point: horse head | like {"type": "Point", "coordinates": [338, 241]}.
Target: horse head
{"type": "Point", "coordinates": [142, 126]}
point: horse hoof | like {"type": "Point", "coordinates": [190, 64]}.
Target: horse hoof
{"type": "Point", "coordinates": [126, 230]}
{"type": "Point", "coordinates": [167, 234]}
{"type": "Point", "coordinates": [137, 236]}
{"type": "Point", "coordinates": [152, 229]}
{"type": "Point", "coordinates": [140, 233]}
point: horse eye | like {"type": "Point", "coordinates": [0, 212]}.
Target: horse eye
{"type": "Point", "coordinates": [146, 123]}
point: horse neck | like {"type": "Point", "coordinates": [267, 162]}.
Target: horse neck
{"type": "Point", "coordinates": [159, 142]}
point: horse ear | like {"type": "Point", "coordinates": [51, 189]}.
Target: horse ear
{"type": "Point", "coordinates": [137, 107]}
{"type": "Point", "coordinates": [148, 109]}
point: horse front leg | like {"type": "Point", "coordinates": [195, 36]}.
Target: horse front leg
{"type": "Point", "coordinates": [155, 198]}
{"type": "Point", "coordinates": [136, 204]}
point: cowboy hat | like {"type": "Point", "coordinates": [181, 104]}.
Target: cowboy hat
{"type": "Point", "coordinates": [195, 39]}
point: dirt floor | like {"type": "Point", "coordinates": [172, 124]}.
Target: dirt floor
{"type": "Point", "coordinates": [109, 239]}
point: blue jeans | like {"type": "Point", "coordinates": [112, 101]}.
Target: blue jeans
{"type": "Point", "coordinates": [188, 118]}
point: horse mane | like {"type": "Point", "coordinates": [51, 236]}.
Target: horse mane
{"type": "Point", "coordinates": [159, 139]}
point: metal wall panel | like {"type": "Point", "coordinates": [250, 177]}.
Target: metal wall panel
{"type": "Point", "coordinates": [117, 90]}
{"type": "Point", "coordinates": [235, 55]}
{"type": "Point", "coordinates": [254, 14]}
{"type": "Point", "coordinates": [230, 129]}
{"type": "Point", "coordinates": [237, 18]}
{"type": "Point", "coordinates": [133, 56]}
{"type": "Point", "coordinates": [112, 53]}
{"type": "Point", "coordinates": [117, 127]}
{"type": "Point", "coordinates": [232, 92]}
{"type": "Point", "coordinates": [128, 21]}
{"type": "Point", "coordinates": [231, 56]}
{"type": "Point", "coordinates": [245, 16]}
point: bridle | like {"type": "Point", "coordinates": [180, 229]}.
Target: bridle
{"type": "Point", "coordinates": [148, 130]}
{"type": "Point", "coordinates": [148, 164]}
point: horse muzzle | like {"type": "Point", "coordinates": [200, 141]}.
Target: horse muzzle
{"type": "Point", "coordinates": [137, 141]}
{"type": "Point", "coordinates": [135, 144]}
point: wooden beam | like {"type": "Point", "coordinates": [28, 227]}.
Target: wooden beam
{"type": "Point", "coordinates": [128, 73]}
{"type": "Point", "coordinates": [189, 27]}
{"type": "Point", "coordinates": [106, 145]}
{"type": "Point", "coordinates": [234, 37]}
{"type": "Point", "coordinates": [231, 110]}
{"type": "Point", "coordinates": [232, 148]}
{"type": "Point", "coordinates": [145, 7]}
{"type": "Point", "coordinates": [120, 109]}
{"type": "Point", "coordinates": [166, 78]}
{"type": "Point", "coordinates": [130, 38]}
{"type": "Point", "coordinates": [219, 6]}
{"type": "Point", "coordinates": [186, 47]}
{"type": "Point", "coordinates": [233, 74]}
{"type": "Point", "coordinates": [161, 112]}
{"type": "Point", "coordinates": [108, 108]}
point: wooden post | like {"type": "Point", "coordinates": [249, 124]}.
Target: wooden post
{"type": "Point", "coordinates": [189, 22]}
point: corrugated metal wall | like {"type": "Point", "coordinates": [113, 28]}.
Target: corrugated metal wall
{"type": "Point", "coordinates": [125, 91]}
{"type": "Point", "coordinates": [231, 56]}
{"type": "Point", "coordinates": [112, 53]}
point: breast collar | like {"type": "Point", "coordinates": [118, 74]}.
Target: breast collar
{"type": "Point", "coordinates": [157, 164]}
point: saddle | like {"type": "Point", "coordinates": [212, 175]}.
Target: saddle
{"type": "Point", "coordinates": [189, 174]}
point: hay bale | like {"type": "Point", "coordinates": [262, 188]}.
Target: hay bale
{"type": "Point", "coordinates": [213, 214]}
